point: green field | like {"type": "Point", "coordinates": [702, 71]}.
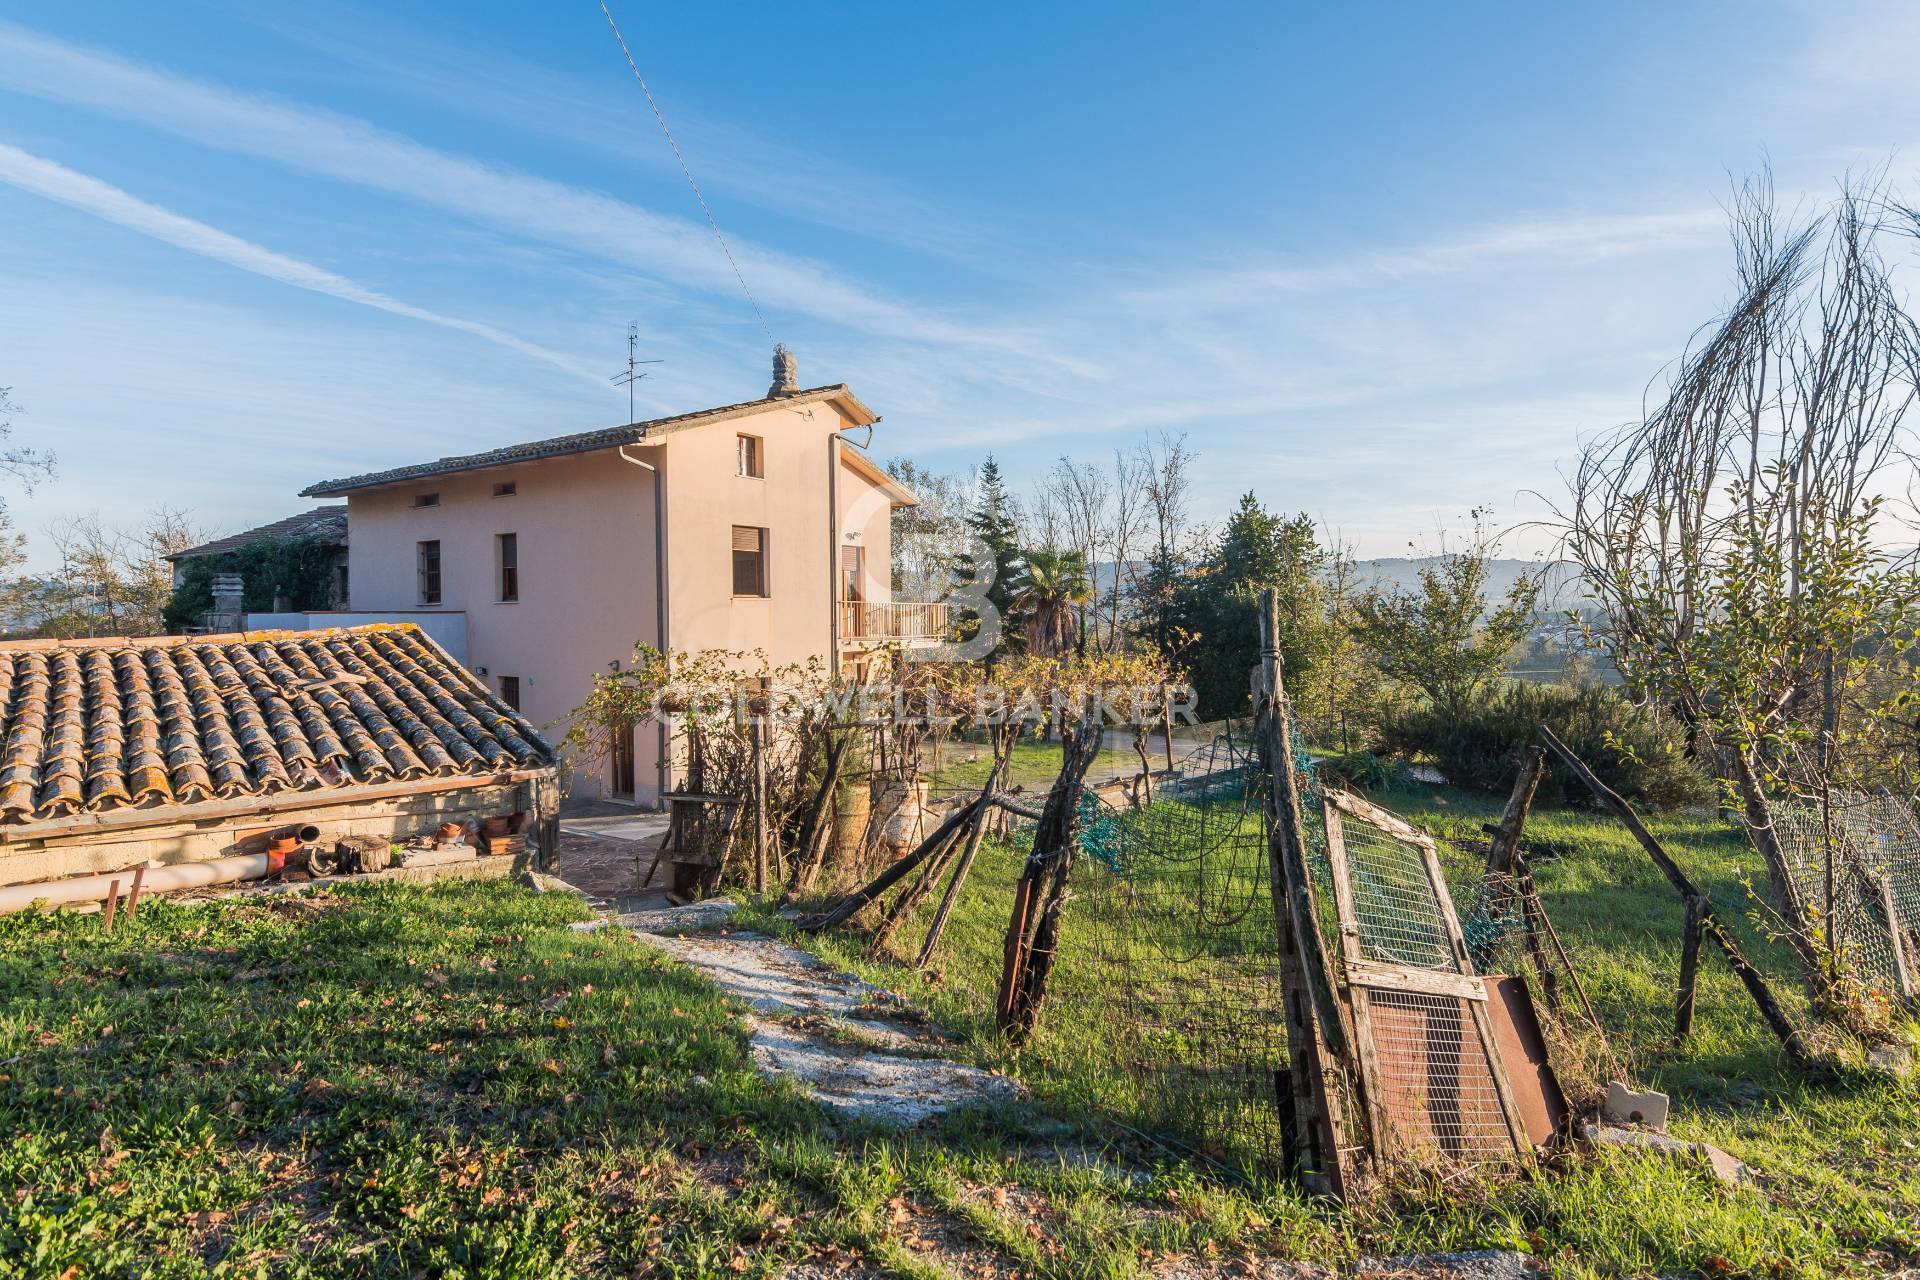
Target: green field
{"type": "Point", "coordinates": [1837, 1190]}
{"type": "Point", "coordinates": [395, 1081]}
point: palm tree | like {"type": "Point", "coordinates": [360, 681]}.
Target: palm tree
{"type": "Point", "coordinates": [1050, 585]}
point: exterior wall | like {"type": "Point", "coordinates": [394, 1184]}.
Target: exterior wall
{"type": "Point", "coordinates": [586, 554]}
{"type": "Point", "coordinates": [866, 520]}
{"type": "Point", "coordinates": [184, 837]}
{"type": "Point", "coordinates": [585, 540]}
{"type": "Point", "coordinates": [706, 498]}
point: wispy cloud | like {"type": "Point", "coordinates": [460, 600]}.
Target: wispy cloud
{"type": "Point", "coordinates": [1571, 241]}
{"type": "Point", "coordinates": [90, 195]}
{"type": "Point", "coordinates": [741, 162]}
{"type": "Point", "coordinates": [353, 151]}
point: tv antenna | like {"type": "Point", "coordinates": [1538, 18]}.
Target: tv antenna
{"type": "Point", "coordinates": [632, 373]}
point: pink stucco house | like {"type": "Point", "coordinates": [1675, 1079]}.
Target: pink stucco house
{"type": "Point", "coordinates": [761, 525]}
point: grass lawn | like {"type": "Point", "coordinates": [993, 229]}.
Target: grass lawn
{"type": "Point", "coordinates": [396, 1081]}
{"type": "Point", "coordinates": [1839, 1182]}
{"type": "Point", "coordinates": [1033, 766]}
{"type": "Point", "coordinates": [399, 1081]}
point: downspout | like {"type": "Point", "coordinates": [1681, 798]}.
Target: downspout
{"type": "Point", "coordinates": [659, 605]}
{"type": "Point", "coordinates": [833, 543]}
{"type": "Point", "coordinates": [833, 555]}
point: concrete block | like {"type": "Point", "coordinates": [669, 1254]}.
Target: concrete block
{"type": "Point", "coordinates": [438, 856]}
{"type": "Point", "coordinates": [1628, 1106]}
{"type": "Point", "coordinates": [1725, 1167]}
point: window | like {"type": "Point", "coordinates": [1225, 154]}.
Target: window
{"type": "Point", "coordinates": [508, 553]}
{"type": "Point", "coordinates": [853, 573]}
{"type": "Point", "coordinates": [749, 561]}
{"type": "Point", "coordinates": [510, 691]}
{"type": "Point", "coordinates": [430, 572]}
{"type": "Point", "coordinates": [426, 499]}
{"type": "Point", "coordinates": [506, 489]}
{"type": "Point", "coordinates": [750, 457]}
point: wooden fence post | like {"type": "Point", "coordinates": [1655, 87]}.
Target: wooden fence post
{"type": "Point", "coordinates": [757, 743]}
{"type": "Point", "coordinates": [1689, 975]}
{"type": "Point", "coordinates": [1318, 1045]}
{"type": "Point", "coordinates": [1696, 901]}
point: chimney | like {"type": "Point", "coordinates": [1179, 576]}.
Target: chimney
{"type": "Point", "coordinates": [786, 373]}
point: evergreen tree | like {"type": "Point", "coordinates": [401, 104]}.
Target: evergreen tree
{"type": "Point", "coordinates": [994, 524]}
{"type": "Point", "coordinates": [1218, 606]}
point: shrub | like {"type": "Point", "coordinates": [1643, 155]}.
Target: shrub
{"type": "Point", "coordinates": [1634, 751]}
{"type": "Point", "coordinates": [1365, 771]}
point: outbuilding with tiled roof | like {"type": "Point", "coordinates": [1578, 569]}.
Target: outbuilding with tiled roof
{"type": "Point", "coordinates": [120, 752]}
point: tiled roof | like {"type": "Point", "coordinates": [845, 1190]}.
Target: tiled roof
{"type": "Point", "coordinates": [559, 446]}
{"type": "Point", "coordinates": [324, 524]}
{"type": "Point", "coordinates": [95, 725]}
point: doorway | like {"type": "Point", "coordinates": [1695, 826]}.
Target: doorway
{"type": "Point", "coordinates": [620, 785]}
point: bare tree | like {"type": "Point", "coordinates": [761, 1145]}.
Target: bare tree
{"type": "Point", "coordinates": [1123, 539]}
{"type": "Point", "coordinates": [1732, 536]}
{"type": "Point", "coordinates": [1164, 463]}
{"type": "Point", "coordinates": [1082, 495]}
{"type": "Point", "coordinates": [113, 580]}
{"type": "Point", "coordinates": [29, 467]}
{"type": "Point", "coordinates": [927, 537]}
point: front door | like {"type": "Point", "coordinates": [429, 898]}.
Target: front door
{"type": "Point", "coordinates": [621, 783]}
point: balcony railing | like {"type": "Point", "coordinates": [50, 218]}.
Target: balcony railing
{"type": "Point", "coordinates": [911, 623]}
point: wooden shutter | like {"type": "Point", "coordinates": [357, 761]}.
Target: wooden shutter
{"type": "Point", "coordinates": [749, 561]}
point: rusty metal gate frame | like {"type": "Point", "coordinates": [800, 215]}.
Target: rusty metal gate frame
{"type": "Point", "coordinates": [1371, 986]}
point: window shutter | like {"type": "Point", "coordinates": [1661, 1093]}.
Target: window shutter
{"type": "Point", "coordinates": [745, 538]}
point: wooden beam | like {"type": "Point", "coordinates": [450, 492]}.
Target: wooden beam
{"type": "Point", "coordinates": [1426, 982]}
{"type": "Point", "coordinates": [242, 806]}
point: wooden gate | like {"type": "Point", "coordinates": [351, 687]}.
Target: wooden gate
{"type": "Point", "coordinates": [1431, 1077]}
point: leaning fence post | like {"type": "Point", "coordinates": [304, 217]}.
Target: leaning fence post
{"type": "Point", "coordinates": [1317, 1044]}
{"type": "Point", "coordinates": [1751, 978]}
{"type": "Point", "coordinates": [1689, 975]}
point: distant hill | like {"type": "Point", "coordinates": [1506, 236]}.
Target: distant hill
{"type": "Point", "coordinates": [1561, 588]}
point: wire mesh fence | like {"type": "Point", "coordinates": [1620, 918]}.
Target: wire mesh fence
{"type": "Point", "coordinates": [1395, 904]}
{"type": "Point", "coordinates": [1887, 835]}
{"type": "Point", "coordinates": [1437, 1083]}
{"type": "Point", "coordinates": [1845, 856]}
{"type": "Point", "coordinates": [1176, 904]}
{"type": "Point", "coordinates": [1432, 1062]}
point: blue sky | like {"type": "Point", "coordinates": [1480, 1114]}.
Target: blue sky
{"type": "Point", "coordinates": [1380, 263]}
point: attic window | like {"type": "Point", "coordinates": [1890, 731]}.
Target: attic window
{"type": "Point", "coordinates": [505, 489]}
{"type": "Point", "coordinates": [749, 456]}
{"type": "Point", "coordinates": [426, 499]}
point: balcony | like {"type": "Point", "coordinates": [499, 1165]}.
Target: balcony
{"type": "Point", "coordinates": [870, 622]}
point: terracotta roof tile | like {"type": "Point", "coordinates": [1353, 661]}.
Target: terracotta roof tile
{"type": "Point", "coordinates": [96, 725]}
{"type": "Point", "coordinates": [322, 524]}
{"type": "Point", "coordinates": [580, 442]}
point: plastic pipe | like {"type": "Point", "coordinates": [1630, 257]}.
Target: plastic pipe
{"type": "Point", "coordinates": [179, 875]}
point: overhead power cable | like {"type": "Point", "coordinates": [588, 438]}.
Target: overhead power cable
{"type": "Point", "coordinates": [711, 222]}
